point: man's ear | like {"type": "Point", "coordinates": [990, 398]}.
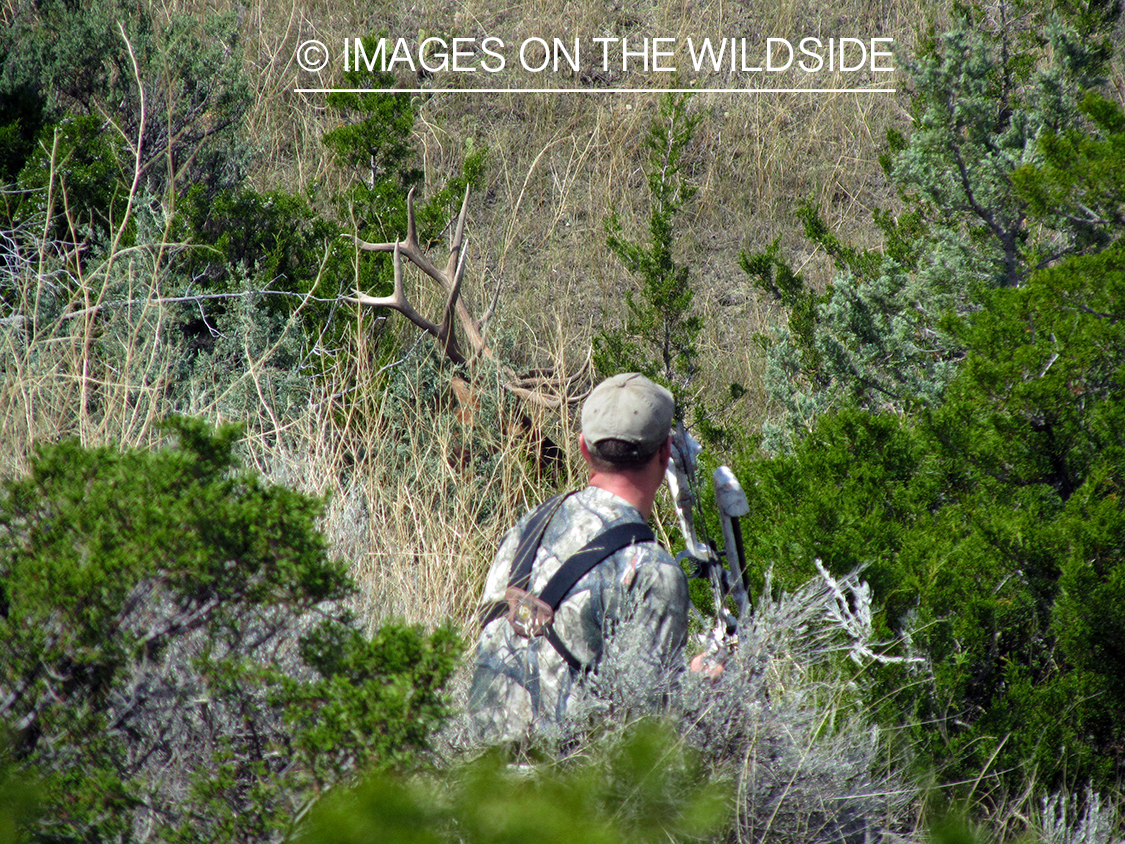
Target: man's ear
{"type": "Point", "coordinates": [582, 447]}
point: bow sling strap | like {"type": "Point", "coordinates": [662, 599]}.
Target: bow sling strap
{"type": "Point", "coordinates": [532, 615]}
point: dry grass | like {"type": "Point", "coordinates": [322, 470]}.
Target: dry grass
{"type": "Point", "coordinates": [417, 501]}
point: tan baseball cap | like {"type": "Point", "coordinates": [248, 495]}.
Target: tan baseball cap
{"type": "Point", "coordinates": [631, 408]}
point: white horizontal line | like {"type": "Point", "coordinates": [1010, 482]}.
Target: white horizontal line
{"type": "Point", "coordinates": [595, 90]}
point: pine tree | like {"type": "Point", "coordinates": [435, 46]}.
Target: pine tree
{"type": "Point", "coordinates": [984, 94]}
{"type": "Point", "coordinates": [660, 334]}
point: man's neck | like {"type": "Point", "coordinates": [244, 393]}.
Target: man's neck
{"type": "Point", "coordinates": [624, 486]}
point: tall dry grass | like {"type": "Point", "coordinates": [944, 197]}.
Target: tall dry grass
{"type": "Point", "coordinates": [93, 349]}
{"type": "Point", "coordinates": [417, 499]}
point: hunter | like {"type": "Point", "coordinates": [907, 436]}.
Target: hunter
{"type": "Point", "coordinates": [582, 574]}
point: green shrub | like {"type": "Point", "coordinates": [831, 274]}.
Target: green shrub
{"type": "Point", "coordinates": [177, 653]}
{"type": "Point", "coordinates": [991, 529]}
{"type": "Point", "coordinates": [958, 399]}
{"type": "Point", "coordinates": [1006, 150]}
{"type": "Point", "coordinates": [644, 787]}
{"type": "Point", "coordinates": [76, 177]}
{"type": "Point", "coordinates": [78, 60]}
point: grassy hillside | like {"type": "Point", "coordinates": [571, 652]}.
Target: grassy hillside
{"type": "Point", "coordinates": [557, 165]}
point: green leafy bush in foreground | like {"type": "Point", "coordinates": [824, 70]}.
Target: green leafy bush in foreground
{"type": "Point", "coordinates": [176, 658]}
{"type": "Point", "coordinates": [644, 787]}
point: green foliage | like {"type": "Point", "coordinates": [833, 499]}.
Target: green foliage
{"type": "Point", "coordinates": [660, 333]}
{"type": "Point", "coordinates": [842, 496]}
{"type": "Point", "coordinates": [76, 178]}
{"type": "Point", "coordinates": [985, 508]}
{"type": "Point", "coordinates": [991, 527]}
{"type": "Point", "coordinates": [160, 612]}
{"type": "Point", "coordinates": [773, 276]}
{"type": "Point", "coordinates": [375, 144]}
{"type": "Point", "coordinates": [387, 690]}
{"type": "Point", "coordinates": [276, 235]}
{"type": "Point", "coordinates": [290, 246]}
{"type": "Point", "coordinates": [1005, 148]}
{"type": "Point", "coordinates": [1081, 178]}
{"type": "Point", "coordinates": [256, 262]}
{"type": "Point", "coordinates": [645, 787]}
{"type": "Point", "coordinates": [23, 119]}
{"type": "Point", "coordinates": [278, 244]}
{"type": "Point", "coordinates": [79, 60]}
{"type": "Point", "coordinates": [19, 803]}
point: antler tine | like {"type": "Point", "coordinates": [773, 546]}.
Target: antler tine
{"type": "Point", "coordinates": [460, 231]}
{"type": "Point", "coordinates": [582, 370]}
{"type": "Point", "coordinates": [531, 386]}
{"type": "Point", "coordinates": [491, 306]}
{"type": "Point", "coordinates": [399, 292]}
{"type": "Point", "coordinates": [411, 229]}
{"type": "Point", "coordinates": [451, 304]}
{"type": "Point", "coordinates": [397, 301]}
{"type": "Point", "coordinates": [537, 378]}
{"type": "Point", "coordinates": [458, 237]}
{"type": "Point", "coordinates": [409, 247]}
{"type": "Point", "coordinates": [549, 401]}
{"type": "Point", "coordinates": [545, 401]}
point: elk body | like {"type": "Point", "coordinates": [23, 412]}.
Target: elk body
{"type": "Point", "coordinates": [549, 458]}
{"type": "Point", "coordinates": [468, 345]}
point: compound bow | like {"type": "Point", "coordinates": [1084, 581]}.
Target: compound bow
{"type": "Point", "coordinates": [731, 581]}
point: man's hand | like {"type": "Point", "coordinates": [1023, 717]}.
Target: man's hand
{"type": "Point", "coordinates": [706, 664]}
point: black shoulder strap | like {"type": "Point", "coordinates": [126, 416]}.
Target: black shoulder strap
{"type": "Point", "coordinates": [601, 547]}
{"type": "Point", "coordinates": [530, 541]}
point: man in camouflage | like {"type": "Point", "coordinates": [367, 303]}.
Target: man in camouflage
{"type": "Point", "coordinates": [635, 599]}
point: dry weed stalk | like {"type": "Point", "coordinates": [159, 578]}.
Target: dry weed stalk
{"type": "Point", "coordinates": [792, 718]}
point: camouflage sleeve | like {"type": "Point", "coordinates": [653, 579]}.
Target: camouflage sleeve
{"type": "Point", "coordinates": [501, 570]}
{"type": "Point", "coordinates": [649, 640]}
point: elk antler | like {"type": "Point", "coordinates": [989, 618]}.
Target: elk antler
{"type": "Point", "coordinates": [449, 279]}
{"type": "Point", "coordinates": [534, 387]}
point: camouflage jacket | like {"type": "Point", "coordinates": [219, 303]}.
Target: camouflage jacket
{"type": "Point", "coordinates": [635, 599]}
